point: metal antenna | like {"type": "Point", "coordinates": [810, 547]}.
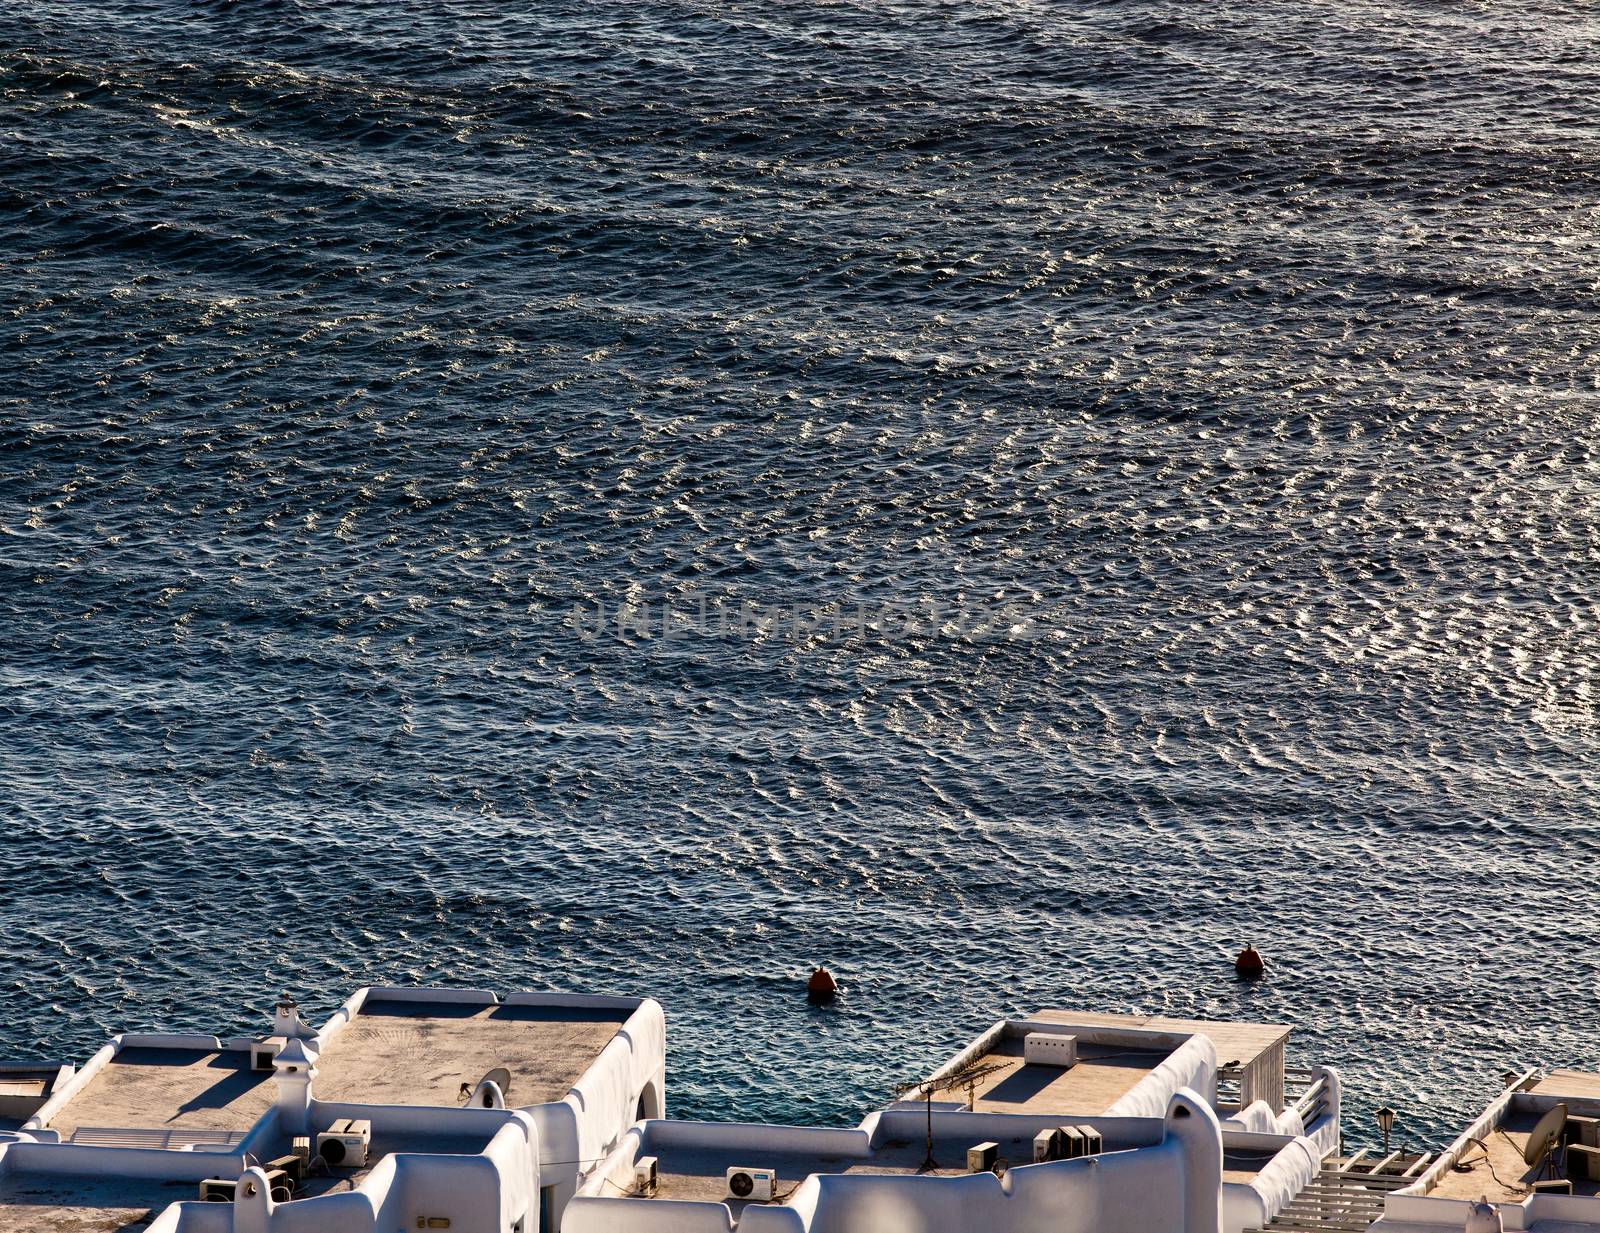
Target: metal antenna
{"type": "Point", "coordinates": [962, 1076]}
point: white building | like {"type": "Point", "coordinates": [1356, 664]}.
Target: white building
{"type": "Point", "coordinates": [584, 1068]}
{"type": "Point", "coordinates": [465, 1110]}
{"type": "Point", "coordinates": [413, 1084]}
{"type": "Point", "coordinates": [1548, 1184]}
{"type": "Point", "coordinates": [1153, 1175]}
{"type": "Point", "coordinates": [1159, 1159]}
{"type": "Point", "coordinates": [1131, 1063]}
{"type": "Point", "coordinates": [1276, 1133]}
{"type": "Point", "coordinates": [481, 1176]}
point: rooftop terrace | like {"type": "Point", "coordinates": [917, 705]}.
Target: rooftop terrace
{"type": "Point", "coordinates": [1251, 1054]}
{"type": "Point", "coordinates": [64, 1203]}
{"type": "Point", "coordinates": [1499, 1172]}
{"type": "Point", "coordinates": [189, 1089]}
{"type": "Point", "coordinates": [401, 1052]}
{"type": "Point", "coordinates": [1574, 1085]}
{"type": "Point", "coordinates": [1103, 1074]}
{"type": "Point", "coordinates": [1493, 1165]}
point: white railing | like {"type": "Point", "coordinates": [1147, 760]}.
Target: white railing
{"type": "Point", "coordinates": [1305, 1091]}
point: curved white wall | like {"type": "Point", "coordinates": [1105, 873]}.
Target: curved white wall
{"type": "Point", "coordinates": [1296, 1161]}
{"type": "Point", "coordinates": [1172, 1184]}
{"type": "Point", "coordinates": [1192, 1066]}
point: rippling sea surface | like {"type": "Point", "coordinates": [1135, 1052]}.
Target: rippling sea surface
{"type": "Point", "coordinates": [1012, 500]}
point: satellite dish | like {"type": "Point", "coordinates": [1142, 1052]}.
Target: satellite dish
{"type": "Point", "coordinates": [1546, 1134]}
{"type": "Point", "coordinates": [501, 1078]}
{"type": "Point", "coordinates": [1484, 1219]}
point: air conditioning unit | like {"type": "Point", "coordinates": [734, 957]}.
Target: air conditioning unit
{"type": "Point", "coordinates": [344, 1145]}
{"type": "Point", "coordinates": [1070, 1140]}
{"type": "Point", "coordinates": [752, 1184]}
{"type": "Point", "coordinates": [1049, 1049]}
{"type": "Point", "coordinates": [223, 1189]}
{"type": "Point", "coordinates": [263, 1052]}
{"type": "Point", "coordinates": [292, 1165]}
{"type": "Point", "coordinates": [982, 1157]}
{"type": "Point", "coordinates": [1093, 1144]}
{"type": "Point", "coordinates": [1045, 1145]}
{"type": "Point", "coordinates": [644, 1176]}
{"type": "Point", "coordinates": [1583, 1163]}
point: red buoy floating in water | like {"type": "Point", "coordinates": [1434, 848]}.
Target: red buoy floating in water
{"type": "Point", "coordinates": [1249, 962]}
{"type": "Point", "coordinates": [821, 987]}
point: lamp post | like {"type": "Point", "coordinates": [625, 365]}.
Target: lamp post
{"type": "Point", "coordinates": [1386, 1124]}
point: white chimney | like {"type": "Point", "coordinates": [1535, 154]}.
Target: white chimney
{"type": "Point", "coordinates": [286, 1020]}
{"type": "Point", "coordinates": [296, 1067]}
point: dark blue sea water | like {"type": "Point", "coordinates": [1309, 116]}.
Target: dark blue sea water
{"type": "Point", "coordinates": [1118, 480]}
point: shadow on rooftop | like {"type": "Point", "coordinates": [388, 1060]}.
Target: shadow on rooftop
{"type": "Point", "coordinates": [1022, 1085]}
{"type": "Point", "coordinates": [225, 1090]}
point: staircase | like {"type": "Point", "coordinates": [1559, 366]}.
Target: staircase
{"type": "Point", "coordinates": [1347, 1196]}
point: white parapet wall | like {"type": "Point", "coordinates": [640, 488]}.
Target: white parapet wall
{"type": "Point", "coordinates": [1295, 1162]}
{"type": "Point", "coordinates": [909, 1122]}
{"type": "Point", "coordinates": [135, 1163]}
{"type": "Point", "coordinates": [1416, 1210]}
{"type": "Point", "coordinates": [499, 1189]}
{"type": "Point", "coordinates": [80, 1080]}
{"type": "Point", "coordinates": [1315, 1114]}
{"type": "Point", "coordinates": [1191, 1067]}
{"type": "Point", "coordinates": [491, 1191]}
{"type": "Point", "coordinates": [1319, 1109]}
{"type": "Point", "coordinates": [1191, 1061]}
{"type": "Point", "coordinates": [1159, 1175]}
{"type": "Point", "coordinates": [626, 1080]}
{"type": "Point", "coordinates": [1170, 1186]}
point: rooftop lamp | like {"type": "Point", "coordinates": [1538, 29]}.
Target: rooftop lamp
{"type": "Point", "coordinates": [1385, 1118]}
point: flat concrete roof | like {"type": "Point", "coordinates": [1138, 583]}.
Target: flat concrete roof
{"type": "Point", "coordinates": [1568, 1084]}
{"type": "Point", "coordinates": [1235, 1042]}
{"type": "Point", "coordinates": [1503, 1177]}
{"type": "Point", "coordinates": [65, 1203]}
{"type": "Point", "coordinates": [1102, 1076]}
{"type": "Point", "coordinates": [1242, 1165]}
{"type": "Point", "coordinates": [189, 1088]}
{"type": "Point", "coordinates": [398, 1052]}
{"type": "Point", "coordinates": [700, 1175]}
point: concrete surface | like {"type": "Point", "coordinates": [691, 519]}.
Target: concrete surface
{"type": "Point", "coordinates": [191, 1088]}
{"type": "Point", "coordinates": [420, 1053]}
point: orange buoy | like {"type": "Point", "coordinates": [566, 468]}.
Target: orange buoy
{"type": "Point", "coordinates": [821, 987]}
{"type": "Point", "coordinates": [1249, 962]}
